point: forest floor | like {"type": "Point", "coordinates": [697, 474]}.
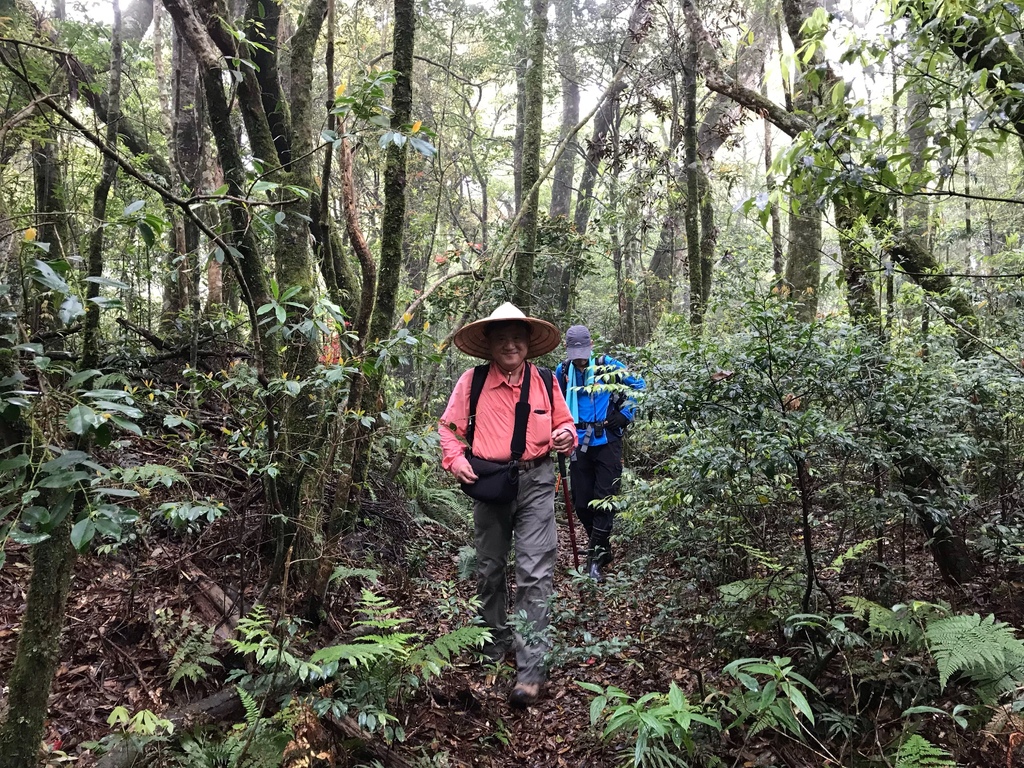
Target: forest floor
{"type": "Point", "coordinates": [641, 630]}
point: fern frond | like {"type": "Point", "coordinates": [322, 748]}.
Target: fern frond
{"type": "Point", "coordinates": [918, 752]}
{"type": "Point", "coordinates": [431, 659]}
{"type": "Point", "coordinates": [984, 649]}
{"type": "Point", "coordinates": [252, 708]}
{"type": "Point", "coordinates": [356, 654]}
{"type": "Point", "coordinates": [884, 622]}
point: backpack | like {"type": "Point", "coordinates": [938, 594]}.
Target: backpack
{"type": "Point", "coordinates": [480, 376]}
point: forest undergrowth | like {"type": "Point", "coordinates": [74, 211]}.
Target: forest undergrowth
{"type": "Point", "coordinates": [654, 625]}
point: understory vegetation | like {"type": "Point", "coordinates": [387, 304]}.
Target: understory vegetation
{"type": "Point", "coordinates": [236, 242]}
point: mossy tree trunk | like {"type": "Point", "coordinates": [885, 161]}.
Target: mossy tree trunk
{"type": "Point", "coordinates": [533, 112]}
{"type": "Point", "coordinates": [38, 649]}
{"type": "Point", "coordinates": [392, 232]}
{"type": "Point", "coordinates": [692, 214]}
{"type": "Point", "coordinates": [559, 272]}
{"type": "Point", "coordinates": [283, 140]}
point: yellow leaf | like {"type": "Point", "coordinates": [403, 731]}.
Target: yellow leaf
{"type": "Point", "coordinates": [30, 234]}
{"type": "Point", "coordinates": [416, 126]}
{"type": "Point", "coordinates": [426, 326]}
{"type": "Point", "coordinates": [340, 90]}
{"type": "Point", "coordinates": [407, 317]}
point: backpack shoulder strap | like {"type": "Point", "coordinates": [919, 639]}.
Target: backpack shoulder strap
{"type": "Point", "coordinates": [479, 377]}
{"type": "Point", "coordinates": [563, 380]}
{"type": "Point", "coordinates": [549, 384]}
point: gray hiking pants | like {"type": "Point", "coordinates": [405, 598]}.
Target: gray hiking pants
{"type": "Point", "coordinates": [532, 518]}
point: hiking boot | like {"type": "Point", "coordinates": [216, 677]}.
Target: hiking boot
{"type": "Point", "coordinates": [594, 572]}
{"type": "Point", "coordinates": [524, 695]}
{"type": "Point", "coordinates": [495, 653]}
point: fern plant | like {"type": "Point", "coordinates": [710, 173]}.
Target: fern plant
{"type": "Point", "coordinates": [189, 645]}
{"type": "Point", "coordinates": [982, 649]}
{"type": "Point", "coordinates": [259, 742]}
{"type": "Point", "coordinates": [381, 668]}
{"type": "Point", "coordinates": [917, 752]}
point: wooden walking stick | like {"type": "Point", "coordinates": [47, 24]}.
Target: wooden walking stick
{"type": "Point", "coordinates": [563, 475]}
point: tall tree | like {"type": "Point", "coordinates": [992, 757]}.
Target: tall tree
{"type": "Point", "coordinates": [559, 273]}
{"type": "Point", "coordinates": [38, 650]}
{"type": "Point", "coordinates": [533, 114]}
{"type": "Point", "coordinates": [803, 258]}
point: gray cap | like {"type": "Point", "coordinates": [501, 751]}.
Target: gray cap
{"type": "Point", "coordinates": [578, 344]}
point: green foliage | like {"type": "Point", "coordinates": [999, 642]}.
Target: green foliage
{"type": "Point", "coordinates": [983, 649]}
{"type": "Point", "coordinates": [138, 730]}
{"type": "Point", "coordinates": [187, 515]}
{"type": "Point", "coordinates": [189, 645]}
{"type": "Point", "coordinates": [886, 623]}
{"type": "Point", "coordinates": [774, 702]}
{"type": "Point", "coordinates": [259, 742]}
{"type": "Point", "coordinates": [917, 752]}
{"type": "Point", "coordinates": [654, 724]}
{"type": "Point", "coordinates": [368, 676]}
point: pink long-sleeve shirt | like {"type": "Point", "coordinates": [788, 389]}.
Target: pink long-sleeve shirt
{"type": "Point", "coordinates": [495, 419]}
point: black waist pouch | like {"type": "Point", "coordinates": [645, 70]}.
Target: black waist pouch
{"type": "Point", "coordinates": [497, 482]}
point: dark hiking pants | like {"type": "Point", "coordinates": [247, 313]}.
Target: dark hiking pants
{"type": "Point", "coordinates": [596, 474]}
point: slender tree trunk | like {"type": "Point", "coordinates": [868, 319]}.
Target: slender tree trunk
{"type": "Point", "coordinates": [560, 273]}
{"type": "Point", "coordinates": [777, 251]}
{"type": "Point", "coordinates": [392, 234]}
{"type": "Point", "coordinates": [639, 21]}
{"type": "Point", "coordinates": [38, 650]}
{"type": "Point", "coordinates": [708, 237]}
{"type": "Point", "coordinates": [532, 134]}
{"type": "Point", "coordinates": [692, 187]}
{"type": "Point", "coordinates": [181, 275]}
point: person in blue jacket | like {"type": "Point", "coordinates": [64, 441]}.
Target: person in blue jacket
{"type": "Point", "coordinates": [599, 392]}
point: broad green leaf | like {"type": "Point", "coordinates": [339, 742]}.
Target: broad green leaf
{"type": "Point", "coordinates": [64, 479]}
{"type": "Point", "coordinates": [21, 537]}
{"type": "Point", "coordinates": [82, 533]}
{"type": "Point", "coordinates": [82, 418]}
{"type": "Point", "coordinates": [108, 282]}
{"type": "Point", "coordinates": [48, 278]}
{"type": "Point", "coordinates": [125, 424]}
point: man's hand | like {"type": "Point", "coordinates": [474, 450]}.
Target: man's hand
{"type": "Point", "coordinates": [563, 441]}
{"type": "Point", "coordinates": [464, 473]}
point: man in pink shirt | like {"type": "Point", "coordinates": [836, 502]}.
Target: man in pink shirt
{"type": "Point", "coordinates": [507, 338]}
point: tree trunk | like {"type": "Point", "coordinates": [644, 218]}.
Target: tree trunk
{"type": "Point", "coordinates": [803, 259]}
{"type": "Point", "coordinates": [860, 287]}
{"type": "Point", "coordinates": [559, 273]}
{"type": "Point", "coordinates": [532, 134]}
{"type": "Point", "coordinates": [692, 187]}
{"type": "Point", "coordinates": [392, 236]}
{"type": "Point", "coordinates": [639, 19]}
{"type": "Point", "coordinates": [708, 237]}
{"type": "Point", "coordinates": [181, 281]}
{"type": "Point", "coordinates": [35, 661]}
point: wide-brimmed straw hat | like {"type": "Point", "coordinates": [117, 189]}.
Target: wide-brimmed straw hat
{"type": "Point", "coordinates": [472, 338]}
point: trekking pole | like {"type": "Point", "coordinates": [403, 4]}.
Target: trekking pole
{"type": "Point", "coordinates": [568, 510]}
